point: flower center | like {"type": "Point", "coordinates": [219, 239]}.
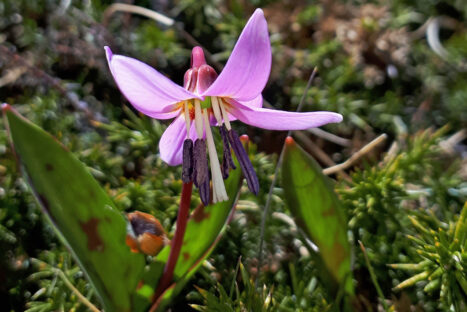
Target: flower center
{"type": "Point", "coordinates": [201, 114]}
{"type": "Point", "coordinates": [212, 109]}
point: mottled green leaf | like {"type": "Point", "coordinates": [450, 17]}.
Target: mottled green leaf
{"type": "Point", "coordinates": [317, 211]}
{"type": "Point", "coordinates": [80, 210]}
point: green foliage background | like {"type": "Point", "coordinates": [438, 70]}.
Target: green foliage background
{"type": "Point", "coordinates": [375, 68]}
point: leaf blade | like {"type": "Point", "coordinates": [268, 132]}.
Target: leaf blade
{"type": "Point", "coordinates": [82, 213]}
{"type": "Point", "coordinates": [317, 210]}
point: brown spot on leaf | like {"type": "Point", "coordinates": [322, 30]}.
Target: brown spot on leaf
{"type": "Point", "coordinates": [328, 212]}
{"type": "Point", "coordinates": [200, 214]}
{"type": "Point", "coordinates": [92, 194]}
{"type": "Point", "coordinates": [89, 227]}
{"type": "Point", "coordinates": [49, 167]}
{"type": "Point", "coordinates": [186, 256]}
{"type": "Point", "coordinates": [337, 254]}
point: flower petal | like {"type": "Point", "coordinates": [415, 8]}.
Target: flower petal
{"type": "Point", "coordinates": [272, 119]}
{"type": "Point", "coordinates": [248, 67]}
{"type": "Point", "coordinates": [146, 89]}
{"type": "Point", "coordinates": [256, 102]}
{"type": "Point", "coordinates": [171, 142]}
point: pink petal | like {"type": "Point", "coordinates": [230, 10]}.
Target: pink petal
{"type": "Point", "coordinates": [256, 102]}
{"type": "Point", "coordinates": [146, 89]}
{"type": "Point", "coordinates": [171, 142]}
{"type": "Point", "coordinates": [272, 119]}
{"type": "Point", "coordinates": [248, 67]}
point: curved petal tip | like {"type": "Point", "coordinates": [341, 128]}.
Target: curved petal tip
{"type": "Point", "coordinates": [258, 11]}
{"type": "Point", "coordinates": [272, 119]}
{"type": "Point", "coordinates": [247, 70]}
{"type": "Point", "coordinates": [337, 118]}
{"type": "Point", "coordinates": [108, 53]}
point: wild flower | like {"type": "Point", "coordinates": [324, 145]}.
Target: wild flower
{"type": "Point", "coordinates": [210, 100]}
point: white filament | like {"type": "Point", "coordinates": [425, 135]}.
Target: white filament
{"type": "Point", "coordinates": [199, 119]}
{"type": "Point", "coordinates": [216, 109]}
{"type": "Point", "coordinates": [218, 188]}
{"type": "Point", "coordinates": [225, 115]}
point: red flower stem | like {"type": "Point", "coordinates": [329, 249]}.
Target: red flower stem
{"type": "Point", "coordinates": [177, 241]}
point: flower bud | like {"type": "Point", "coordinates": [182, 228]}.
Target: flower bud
{"type": "Point", "coordinates": [145, 234]}
{"type": "Point", "coordinates": [200, 76]}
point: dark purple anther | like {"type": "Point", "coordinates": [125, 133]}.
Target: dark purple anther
{"type": "Point", "coordinates": [205, 192]}
{"type": "Point", "coordinates": [201, 170]}
{"type": "Point", "coordinates": [244, 161]}
{"type": "Point", "coordinates": [227, 162]}
{"type": "Point", "coordinates": [187, 165]}
{"type": "Point", "coordinates": [225, 167]}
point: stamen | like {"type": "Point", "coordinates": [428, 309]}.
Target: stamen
{"type": "Point", "coordinates": [205, 192]}
{"type": "Point", "coordinates": [187, 119]}
{"type": "Point", "coordinates": [227, 161]}
{"type": "Point", "coordinates": [225, 115]}
{"type": "Point", "coordinates": [198, 119]}
{"type": "Point", "coordinates": [187, 165]}
{"type": "Point", "coordinates": [216, 109]}
{"type": "Point", "coordinates": [218, 187]}
{"type": "Point", "coordinates": [244, 161]}
{"type": "Point", "coordinates": [201, 173]}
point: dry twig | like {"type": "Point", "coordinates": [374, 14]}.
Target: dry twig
{"type": "Point", "coordinates": [329, 136]}
{"type": "Point", "coordinates": [160, 18]}
{"type": "Point", "coordinates": [129, 8]}
{"type": "Point", "coordinates": [349, 162]}
{"type": "Point", "coordinates": [449, 144]}
{"type": "Point", "coordinates": [12, 75]}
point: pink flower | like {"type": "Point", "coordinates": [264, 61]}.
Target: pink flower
{"type": "Point", "coordinates": [210, 100]}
